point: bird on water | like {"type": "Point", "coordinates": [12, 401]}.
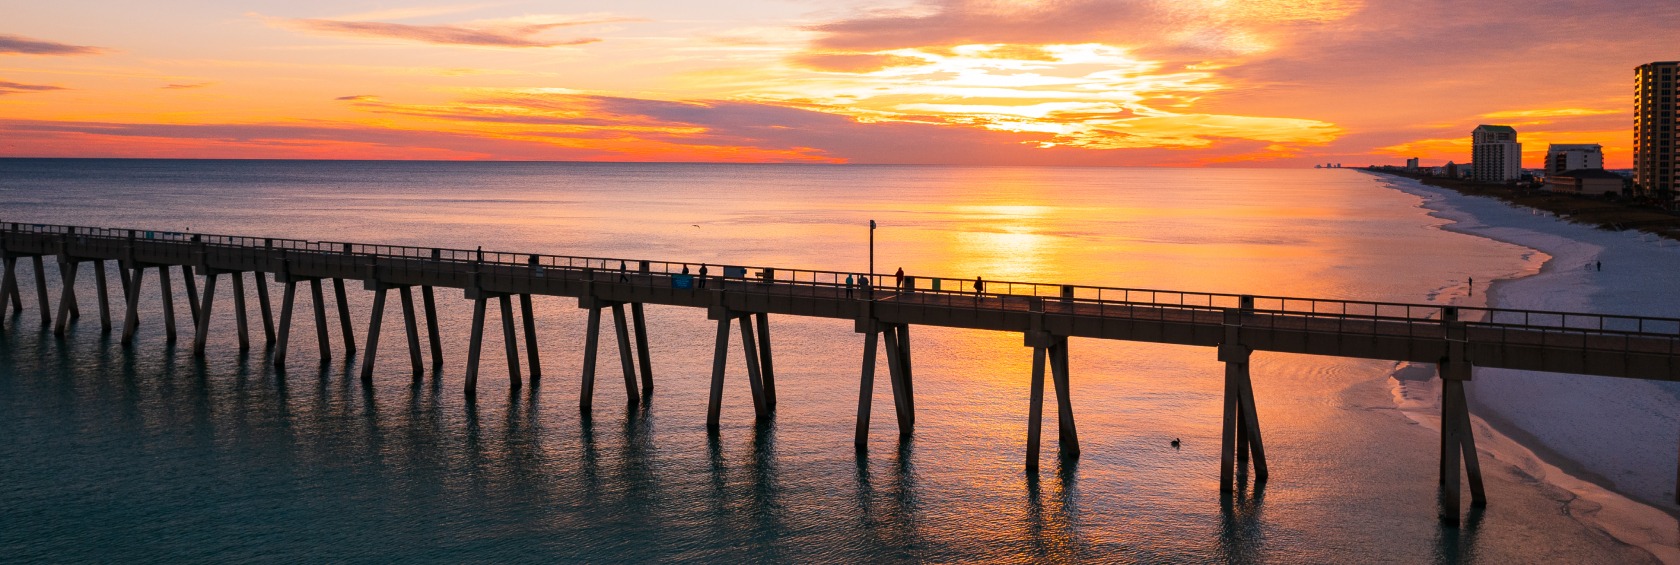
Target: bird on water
{"type": "Point", "coordinates": [1175, 443]}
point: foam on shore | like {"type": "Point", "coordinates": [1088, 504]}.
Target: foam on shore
{"type": "Point", "coordinates": [1607, 444]}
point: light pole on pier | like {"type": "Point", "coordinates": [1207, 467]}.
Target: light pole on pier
{"type": "Point", "coordinates": [872, 252]}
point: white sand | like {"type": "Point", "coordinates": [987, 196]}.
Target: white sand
{"type": "Point", "coordinates": [1617, 437]}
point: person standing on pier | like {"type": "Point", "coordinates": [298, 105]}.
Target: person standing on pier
{"type": "Point", "coordinates": [622, 277]}
{"type": "Point", "coordinates": [899, 283]}
{"type": "Point", "coordinates": [849, 284]}
{"type": "Point", "coordinates": [979, 284]}
{"type": "Point", "coordinates": [702, 275]}
{"type": "Point", "coordinates": [536, 268]}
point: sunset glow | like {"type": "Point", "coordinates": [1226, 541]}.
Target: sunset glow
{"type": "Point", "coordinates": [1080, 82]}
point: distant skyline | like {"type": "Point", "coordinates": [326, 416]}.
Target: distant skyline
{"type": "Point", "coordinates": [1074, 82]}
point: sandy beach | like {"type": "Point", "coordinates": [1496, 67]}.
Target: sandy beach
{"type": "Point", "coordinates": [1606, 445]}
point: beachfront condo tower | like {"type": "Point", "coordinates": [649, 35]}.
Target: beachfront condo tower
{"type": "Point", "coordinates": [1495, 155]}
{"type": "Point", "coordinates": [1656, 116]}
{"type": "Point", "coordinates": [1562, 157]}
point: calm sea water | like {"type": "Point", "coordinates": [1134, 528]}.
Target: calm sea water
{"type": "Point", "coordinates": [109, 454]}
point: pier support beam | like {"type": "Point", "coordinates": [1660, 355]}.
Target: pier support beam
{"type": "Point", "coordinates": [1457, 437]}
{"type": "Point", "coordinates": [1052, 350]}
{"type": "Point", "coordinates": [754, 345]}
{"type": "Point", "coordinates": [67, 268]}
{"type": "Point", "coordinates": [432, 325]}
{"type": "Point", "coordinates": [897, 348]}
{"type": "Point", "coordinates": [8, 288]}
{"type": "Point", "coordinates": [1239, 441]}
{"type": "Point", "coordinates": [41, 292]}
{"type": "Point", "coordinates": [510, 338]}
{"type": "Point", "coordinates": [591, 343]}
{"type": "Point", "coordinates": [288, 298]}
{"type": "Point", "coordinates": [192, 291]}
{"type": "Point", "coordinates": [321, 337]}
{"type": "Point", "coordinates": [866, 392]}
{"type": "Point", "coordinates": [344, 318]}
{"type": "Point", "coordinates": [627, 360]}
{"type": "Point", "coordinates": [643, 355]}
{"type": "Point", "coordinates": [131, 319]}
{"type": "Point", "coordinates": [288, 303]}
{"type": "Point", "coordinates": [240, 316]}
{"type": "Point", "coordinates": [375, 320]}
{"type": "Point", "coordinates": [769, 368]}
{"type": "Point", "coordinates": [510, 341]}
{"type": "Point", "coordinates": [476, 345]}
{"type": "Point", "coordinates": [101, 286]}
{"type": "Point", "coordinates": [532, 360]}
{"type": "Point", "coordinates": [167, 291]}
{"type": "Point", "coordinates": [898, 372]}
{"type": "Point", "coordinates": [410, 323]}
{"type": "Point", "coordinates": [204, 312]}
{"type": "Point", "coordinates": [264, 305]}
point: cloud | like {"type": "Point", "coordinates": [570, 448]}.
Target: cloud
{"type": "Point", "coordinates": [186, 86]}
{"type": "Point", "coordinates": [522, 32]}
{"type": "Point", "coordinates": [1550, 113]}
{"type": "Point", "coordinates": [358, 97]}
{"type": "Point", "coordinates": [12, 44]}
{"type": "Point", "coordinates": [17, 87]}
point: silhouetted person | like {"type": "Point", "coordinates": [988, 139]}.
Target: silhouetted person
{"type": "Point", "coordinates": [622, 277]}
{"type": "Point", "coordinates": [536, 268]}
{"type": "Point", "coordinates": [702, 275]}
{"type": "Point", "coordinates": [1472, 285]}
{"type": "Point", "coordinates": [899, 283]}
{"type": "Point", "coordinates": [685, 268]}
{"type": "Point", "coordinates": [1600, 265]}
{"type": "Point", "coordinates": [481, 253]}
{"type": "Point", "coordinates": [979, 284]}
{"type": "Point", "coordinates": [849, 283]}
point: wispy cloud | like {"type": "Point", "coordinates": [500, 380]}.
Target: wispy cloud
{"type": "Point", "coordinates": [522, 32]}
{"type": "Point", "coordinates": [18, 87]}
{"type": "Point", "coordinates": [358, 98]}
{"type": "Point", "coordinates": [1550, 113]}
{"type": "Point", "coordinates": [416, 12]}
{"type": "Point", "coordinates": [186, 86]}
{"type": "Point", "coordinates": [13, 44]}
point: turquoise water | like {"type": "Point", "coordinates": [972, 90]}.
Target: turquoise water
{"type": "Point", "coordinates": [147, 454]}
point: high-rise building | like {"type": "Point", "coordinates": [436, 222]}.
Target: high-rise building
{"type": "Point", "coordinates": [1656, 164]}
{"type": "Point", "coordinates": [1562, 157]}
{"type": "Point", "coordinates": [1495, 154]}
{"type": "Point", "coordinates": [1412, 164]}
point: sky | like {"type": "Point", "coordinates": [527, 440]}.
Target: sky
{"type": "Point", "coordinates": [1256, 83]}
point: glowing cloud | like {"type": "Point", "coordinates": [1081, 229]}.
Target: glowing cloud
{"type": "Point", "coordinates": [486, 34]}
{"type": "Point", "coordinates": [15, 87]}
{"type": "Point", "coordinates": [12, 44]}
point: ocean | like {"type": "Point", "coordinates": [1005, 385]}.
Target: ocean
{"type": "Point", "coordinates": [148, 454]}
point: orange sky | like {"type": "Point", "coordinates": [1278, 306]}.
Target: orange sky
{"type": "Point", "coordinates": [1072, 82]}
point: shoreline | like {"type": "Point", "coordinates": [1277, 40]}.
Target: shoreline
{"type": "Point", "coordinates": [1583, 492]}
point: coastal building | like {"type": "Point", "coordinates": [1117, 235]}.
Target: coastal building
{"type": "Point", "coordinates": [1561, 157]}
{"type": "Point", "coordinates": [1495, 154]}
{"type": "Point", "coordinates": [1451, 170]}
{"type": "Point", "coordinates": [1591, 182]}
{"type": "Point", "coordinates": [1656, 164]}
{"type": "Point", "coordinates": [1412, 164]}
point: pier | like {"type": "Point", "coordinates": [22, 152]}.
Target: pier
{"type": "Point", "coordinates": [741, 298]}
